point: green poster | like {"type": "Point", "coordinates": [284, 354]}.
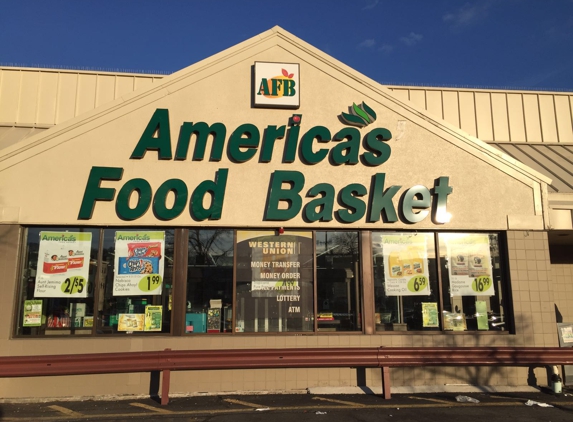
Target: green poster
{"type": "Point", "coordinates": [153, 317]}
{"type": "Point", "coordinates": [430, 314]}
{"type": "Point", "coordinates": [481, 315]}
{"type": "Point", "coordinates": [32, 313]}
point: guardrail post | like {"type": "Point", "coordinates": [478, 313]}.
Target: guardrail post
{"type": "Point", "coordinates": [386, 389]}
{"type": "Point", "coordinates": [165, 379]}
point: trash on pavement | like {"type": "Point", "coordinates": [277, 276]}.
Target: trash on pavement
{"type": "Point", "coordinates": [318, 412]}
{"type": "Point", "coordinates": [466, 399]}
{"type": "Point", "coordinates": [262, 409]}
{"type": "Point", "coordinates": [532, 403]}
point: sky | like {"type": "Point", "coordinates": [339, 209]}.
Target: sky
{"type": "Point", "coordinates": [519, 44]}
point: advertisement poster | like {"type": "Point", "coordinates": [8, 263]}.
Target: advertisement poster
{"type": "Point", "coordinates": [430, 314]}
{"type": "Point", "coordinates": [481, 315]}
{"type": "Point", "coordinates": [138, 263]}
{"type": "Point", "coordinates": [130, 322]}
{"type": "Point", "coordinates": [469, 264]}
{"type": "Point", "coordinates": [406, 270]}
{"type": "Point", "coordinates": [454, 321]}
{"type": "Point", "coordinates": [274, 280]}
{"type": "Point", "coordinates": [567, 334]}
{"type": "Point", "coordinates": [153, 317]}
{"type": "Point", "coordinates": [32, 313]}
{"type": "Point", "coordinates": [63, 264]}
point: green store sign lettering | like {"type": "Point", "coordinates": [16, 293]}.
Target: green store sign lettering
{"type": "Point", "coordinates": [285, 187]}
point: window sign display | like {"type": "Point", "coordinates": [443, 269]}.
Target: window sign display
{"type": "Point", "coordinates": [469, 266]}
{"type": "Point", "coordinates": [430, 316]}
{"type": "Point", "coordinates": [405, 265]}
{"type": "Point", "coordinates": [130, 322]}
{"type": "Point", "coordinates": [63, 264]}
{"type": "Point", "coordinates": [32, 313]}
{"type": "Point", "coordinates": [153, 317]}
{"type": "Point", "coordinates": [274, 281]}
{"type": "Point", "coordinates": [138, 263]}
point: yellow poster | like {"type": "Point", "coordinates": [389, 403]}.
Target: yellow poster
{"type": "Point", "coordinates": [406, 270]}
{"type": "Point", "coordinates": [130, 322]}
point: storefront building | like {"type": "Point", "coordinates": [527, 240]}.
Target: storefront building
{"type": "Point", "coordinates": [272, 197]}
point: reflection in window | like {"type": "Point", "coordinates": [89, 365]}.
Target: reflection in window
{"type": "Point", "coordinates": [405, 281]}
{"type": "Point", "coordinates": [274, 281]}
{"type": "Point", "coordinates": [338, 281]}
{"type": "Point", "coordinates": [209, 281]}
{"type": "Point", "coordinates": [58, 279]}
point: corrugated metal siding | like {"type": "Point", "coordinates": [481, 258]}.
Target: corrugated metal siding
{"type": "Point", "coordinates": [12, 135]}
{"type": "Point", "coordinates": [499, 116]}
{"type": "Point", "coordinates": [45, 97]}
{"type": "Point", "coordinates": [555, 161]}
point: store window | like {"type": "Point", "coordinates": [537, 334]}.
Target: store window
{"type": "Point", "coordinates": [136, 281]}
{"type": "Point", "coordinates": [473, 285]}
{"type": "Point", "coordinates": [209, 281]}
{"type": "Point", "coordinates": [463, 292]}
{"type": "Point", "coordinates": [57, 281]}
{"type": "Point", "coordinates": [338, 284]}
{"type": "Point", "coordinates": [274, 281]}
{"type": "Point", "coordinates": [405, 281]}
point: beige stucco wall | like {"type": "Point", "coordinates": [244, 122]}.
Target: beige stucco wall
{"type": "Point", "coordinates": [54, 168]}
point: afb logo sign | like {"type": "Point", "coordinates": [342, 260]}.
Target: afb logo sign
{"type": "Point", "coordinates": [276, 85]}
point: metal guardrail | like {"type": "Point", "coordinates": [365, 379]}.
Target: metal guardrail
{"type": "Point", "coordinates": [359, 357]}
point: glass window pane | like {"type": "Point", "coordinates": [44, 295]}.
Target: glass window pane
{"type": "Point", "coordinates": [338, 281]}
{"type": "Point", "coordinates": [274, 281]}
{"type": "Point", "coordinates": [209, 281]}
{"type": "Point", "coordinates": [472, 280]}
{"type": "Point", "coordinates": [137, 277]}
{"type": "Point", "coordinates": [406, 291]}
{"type": "Point", "coordinates": [58, 281]}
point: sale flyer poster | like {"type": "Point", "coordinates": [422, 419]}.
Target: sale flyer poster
{"type": "Point", "coordinates": [153, 317]}
{"type": "Point", "coordinates": [406, 270]}
{"type": "Point", "coordinates": [139, 259]}
{"type": "Point", "coordinates": [63, 265]}
{"type": "Point", "coordinates": [469, 264]}
{"type": "Point", "coordinates": [430, 316]}
{"type": "Point", "coordinates": [481, 315]}
{"type": "Point", "coordinates": [32, 313]}
{"type": "Point", "coordinates": [130, 322]}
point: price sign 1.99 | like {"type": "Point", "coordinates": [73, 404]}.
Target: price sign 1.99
{"type": "Point", "coordinates": [150, 282]}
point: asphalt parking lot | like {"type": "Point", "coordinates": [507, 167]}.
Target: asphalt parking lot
{"type": "Point", "coordinates": [305, 407]}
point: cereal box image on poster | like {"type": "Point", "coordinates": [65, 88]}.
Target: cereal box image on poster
{"type": "Point", "coordinates": [63, 264]}
{"type": "Point", "coordinates": [139, 261]}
